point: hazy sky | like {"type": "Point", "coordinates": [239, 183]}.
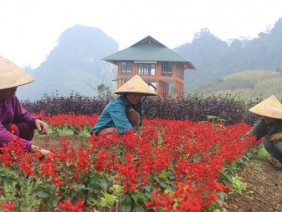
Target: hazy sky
{"type": "Point", "coordinates": [30, 28]}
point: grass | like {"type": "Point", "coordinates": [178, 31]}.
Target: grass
{"type": "Point", "coordinates": [247, 85]}
{"type": "Point", "coordinates": [68, 132]}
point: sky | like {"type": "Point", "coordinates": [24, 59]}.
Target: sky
{"type": "Point", "coordinates": [30, 29]}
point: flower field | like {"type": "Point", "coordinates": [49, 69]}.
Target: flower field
{"type": "Point", "coordinates": [170, 165]}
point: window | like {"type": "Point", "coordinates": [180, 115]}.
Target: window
{"type": "Point", "coordinates": [146, 69]}
{"type": "Point", "coordinates": [126, 68]}
{"type": "Point", "coordinates": [166, 69]}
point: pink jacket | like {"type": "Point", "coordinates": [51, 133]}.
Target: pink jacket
{"type": "Point", "coordinates": [11, 111]}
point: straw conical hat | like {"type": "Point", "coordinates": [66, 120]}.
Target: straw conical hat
{"type": "Point", "coordinates": [136, 85]}
{"type": "Point", "coordinates": [270, 107]}
{"type": "Point", "coordinates": [11, 75]}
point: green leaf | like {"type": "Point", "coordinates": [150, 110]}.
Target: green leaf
{"type": "Point", "coordinates": [147, 188]}
{"type": "Point", "coordinates": [139, 208]}
{"type": "Point", "coordinates": [126, 200]}
{"type": "Point", "coordinates": [138, 198]}
{"type": "Point", "coordinates": [103, 183]}
{"type": "Point", "coordinates": [125, 208]}
{"type": "Point", "coordinates": [42, 194]}
{"type": "Point", "coordinates": [117, 189]}
{"type": "Point", "coordinates": [55, 201]}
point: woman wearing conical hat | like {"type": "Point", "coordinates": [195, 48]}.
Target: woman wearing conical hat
{"type": "Point", "coordinates": [269, 126]}
{"type": "Point", "coordinates": [125, 112]}
{"type": "Point", "coordinates": [16, 122]}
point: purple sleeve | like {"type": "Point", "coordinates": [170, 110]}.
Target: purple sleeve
{"type": "Point", "coordinates": [6, 137]}
{"type": "Point", "coordinates": [22, 114]}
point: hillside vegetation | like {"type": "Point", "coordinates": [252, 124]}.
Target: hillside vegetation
{"type": "Point", "coordinates": [215, 58]}
{"type": "Point", "coordinates": [247, 85]}
{"type": "Point", "coordinates": [76, 64]}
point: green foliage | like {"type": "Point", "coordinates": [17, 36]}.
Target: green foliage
{"type": "Point", "coordinates": [19, 189]}
{"type": "Point", "coordinates": [60, 130]}
{"type": "Point", "coordinates": [215, 119]}
{"type": "Point", "coordinates": [104, 91]}
{"type": "Point", "coordinates": [105, 201]}
{"type": "Point", "coordinates": [75, 63]}
{"type": "Point", "coordinates": [218, 204]}
{"type": "Point", "coordinates": [237, 184]}
{"type": "Point", "coordinates": [230, 170]}
{"type": "Point", "coordinates": [248, 85]}
{"type": "Point", "coordinates": [96, 188]}
{"type": "Point", "coordinates": [262, 153]}
{"type": "Point", "coordinates": [215, 58]}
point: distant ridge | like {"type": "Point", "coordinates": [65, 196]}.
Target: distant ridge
{"type": "Point", "coordinates": [215, 58]}
{"type": "Point", "coordinates": [76, 65]}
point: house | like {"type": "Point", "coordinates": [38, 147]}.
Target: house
{"type": "Point", "coordinates": [156, 64]}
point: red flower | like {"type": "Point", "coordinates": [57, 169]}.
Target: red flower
{"type": "Point", "coordinates": [9, 207]}
{"type": "Point", "coordinates": [67, 206]}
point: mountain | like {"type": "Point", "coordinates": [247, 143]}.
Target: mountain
{"type": "Point", "coordinates": [74, 65]}
{"type": "Point", "coordinates": [215, 58]}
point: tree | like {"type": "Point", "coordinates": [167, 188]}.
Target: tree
{"type": "Point", "coordinates": [104, 91]}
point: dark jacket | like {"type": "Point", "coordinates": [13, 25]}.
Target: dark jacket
{"type": "Point", "coordinates": [262, 129]}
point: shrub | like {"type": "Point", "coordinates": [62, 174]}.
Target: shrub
{"type": "Point", "coordinates": [193, 107]}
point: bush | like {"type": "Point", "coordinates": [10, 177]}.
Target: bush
{"type": "Point", "coordinates": [75, 103]}
{"type": "Point", "coordinates": [192, 107]}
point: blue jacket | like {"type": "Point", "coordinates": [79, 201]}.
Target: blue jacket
{"type": "Point", "coordinates": [114, 115]}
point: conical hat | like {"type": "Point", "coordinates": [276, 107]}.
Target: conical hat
{"type": "Point", "coordinates": [136, 85]}
{"type": "Point", "coordinates": [270, 107]}
{"type": "Point", "coordinates": [11, 75]}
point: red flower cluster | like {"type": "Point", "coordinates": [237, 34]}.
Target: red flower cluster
{"type": "Point", "coordinates": [177, 164]}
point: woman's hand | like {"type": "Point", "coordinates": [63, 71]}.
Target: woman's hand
{"type": "Point", "coordinates": [45, 153]}
{"type": "Point", "coordinates": [41, 126]}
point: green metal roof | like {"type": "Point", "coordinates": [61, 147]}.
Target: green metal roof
{"type": "Point", "coordinates": [148, 49]}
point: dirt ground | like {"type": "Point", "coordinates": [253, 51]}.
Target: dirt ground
{"type": "Point", "coordinates": [264, 185]}
{"type": "Point", "coordinates": [264, 188]}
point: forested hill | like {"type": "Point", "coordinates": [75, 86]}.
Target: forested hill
{"type": "Point", "coordinates": [76, 65]}
{"type": "Point", "coordinates": [248, 85]}
{"type": "Point", "coordinates": [215, 58]}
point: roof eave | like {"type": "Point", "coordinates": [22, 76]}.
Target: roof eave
{"type": "Point", "coordinates": [112, 61]}
{"type": "Point", "coordinates": [189, 65]}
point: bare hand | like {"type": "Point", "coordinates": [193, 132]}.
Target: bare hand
{"type": "Point", "coordinates": [41, 126]}
{"type": "Point", "coordinates": [45, 153]}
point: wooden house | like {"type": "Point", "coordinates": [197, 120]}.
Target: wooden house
{"type": "Point", "coordinates": [156, 64]}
